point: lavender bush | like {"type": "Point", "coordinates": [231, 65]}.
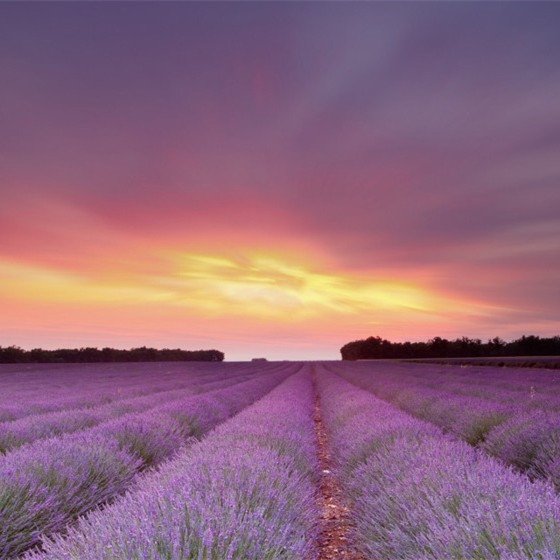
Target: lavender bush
{"type": "Point", "coordinates": [420, 495]}
{"type": "Point", "coordinates": [49, 388]}
{"type": "Point", "coordinates": [139, 441]}
{"type": "Point", "coordinates": [247, 492]}
{"type": "Point", "coordinates": [517, 432]}
{"type": "Point", "coordinates": [39, 426]}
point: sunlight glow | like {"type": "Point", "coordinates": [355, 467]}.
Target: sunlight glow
{"type": "Point", "coordinates": [263, 286]}
{"type": "Point", "coordinates": [262, 289]}
{"type": "Point", "coordinates": [249, 296]}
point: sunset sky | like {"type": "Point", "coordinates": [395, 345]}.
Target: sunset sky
{"type": "Point", "coordinates": [276, 179]}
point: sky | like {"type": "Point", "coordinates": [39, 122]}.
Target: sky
{"type": "Point", "coordinates": [277, 179]}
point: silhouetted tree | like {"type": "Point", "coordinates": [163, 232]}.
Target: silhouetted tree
{"type": "Point", "coordinates": [373, 348]}
{"type": "Point", "coordinates": [14, 354]}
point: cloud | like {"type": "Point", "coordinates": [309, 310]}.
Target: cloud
{"type": "Point", "coordinates": [360, 143]}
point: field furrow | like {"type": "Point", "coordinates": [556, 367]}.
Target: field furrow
{"type": "Point", "coordinates": [335, 521]}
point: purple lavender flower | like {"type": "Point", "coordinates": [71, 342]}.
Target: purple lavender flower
{"type": "Point", "coordinates": [246, 492]}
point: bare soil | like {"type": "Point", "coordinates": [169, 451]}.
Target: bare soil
{"type": "Point", "coordinates": [335, 526]}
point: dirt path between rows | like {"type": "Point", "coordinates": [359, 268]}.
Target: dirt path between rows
{"type": "Point", "coordinates": [334, 540]}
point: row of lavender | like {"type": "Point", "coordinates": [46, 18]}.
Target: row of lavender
{"type": "Point", "coordinates": [469, 417]}
{"type": "Point", "coordinates": [56, 387]}
{"type": "Point", "coordinates": [246, 492]}
{"type": "Point", "coordinates": [52, 388]}
{"type": "Point", "coordinates": [417, 494]}
{"type": "Point", "coordinates": [483, 398]}
{"type": "Point", "coordinates": [48, 483]}
{"type": "Point", "coordinates": [523, 432]}
{"type": "Point", "coordinates": [538, 388]}
{"type": "Point", "coordinates": [30, 428]}
{"type": "Point", "coordinates": [535, 389]}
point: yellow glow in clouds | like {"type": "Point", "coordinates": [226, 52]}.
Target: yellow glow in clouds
{"type": "Point", "coordinates": [257, 286]}
{"type": "Point", "coordinates": [266, 286]}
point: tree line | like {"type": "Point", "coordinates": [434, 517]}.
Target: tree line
{"type": "Point", "coordinates": [376, 347]}
{"type": "Point", "coordinates": [15, 355]}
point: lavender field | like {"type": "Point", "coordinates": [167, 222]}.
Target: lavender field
{"type": "Point", "coordinates": [285, 460]}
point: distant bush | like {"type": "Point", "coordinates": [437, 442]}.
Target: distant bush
{"type": "Point", "coordinates": [14, 355]}
{"type": "Point", "coordinates": [378, 348]}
